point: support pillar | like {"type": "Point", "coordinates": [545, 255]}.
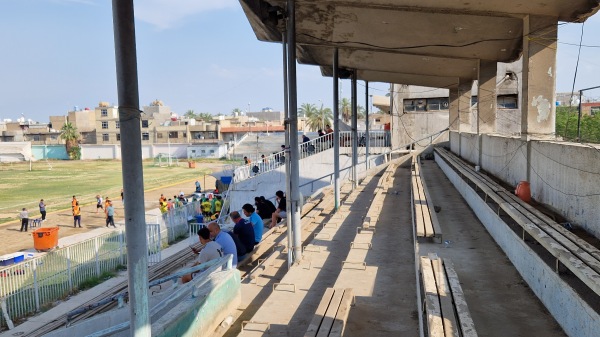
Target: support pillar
{"type": "Point", "coordinates": [486, 97]}
{"type": "Point", "coordinates": [464, 111]}
{"type": "Point", "coordinates": [453, 118]}
{"type": "Point", "coordinates": [354, 126]}
{"type": "Point", "coordinates": [367, 136]}
{"type": "Point", "coordinates": [287, 139]}
{"type": "Point", "coordinates": [293, 159]}
{"type": "Point", "coordinates": [336, 131]}
{"type": "Point", "coordinates": [538, 110]}
{"type": "Point", "coordinates": [131, 162]}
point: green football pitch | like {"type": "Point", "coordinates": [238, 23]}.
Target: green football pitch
{"type": "Point", "coordinates": [22, 185]}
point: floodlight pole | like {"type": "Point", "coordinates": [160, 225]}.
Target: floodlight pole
{"type": "Point", "coordinates": [131, 162]}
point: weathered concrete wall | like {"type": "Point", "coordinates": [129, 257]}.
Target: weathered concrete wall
{"type": "Point", "coordinates": [454, 142]}
{"type": "Point", "coordinates": [505, 158]}
{"type": "Point", "coordinates": [573, 314]}
{"type": "Point", "coordinates": [566, 176]}
{"type": "Point", "coordinates": [416, 125]}
{"type": "Point", "coordinates": [469, 146]}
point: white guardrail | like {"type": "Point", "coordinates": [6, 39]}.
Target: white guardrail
{"type": "Point", "coordinates": [32, 285]}
{"type": "Point", "coordinates": [273, 161]}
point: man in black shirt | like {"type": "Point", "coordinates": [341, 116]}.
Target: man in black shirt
{"type": "Point", "coordinates": [244, 231]}
{"type": "Point", "coordinates": [280, 212]}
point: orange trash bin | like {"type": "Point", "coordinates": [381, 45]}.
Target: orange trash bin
{"type": "Point", "coordinates": [45, 238]}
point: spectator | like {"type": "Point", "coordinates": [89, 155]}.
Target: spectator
{"type": "Point", "coordinates": [247, 161]}
{"type": "Point", "coordinates": [42, 206]}
{"type": "Point", "coordinates": [99, 203]}
{"type": "Point", "coordinates": [24, 215]}
{"type": "Point", "coordinates": [76, 215]}
{"type": "Point", "coordinates": [269, 205]}
{"type": "Point", "coordinates": [205, 206]}
{"type": "Point", "coordinates": [163, 207]}
{"type": "Point", "coordinates": [243, 230]}
{"type": "Point", "coordinates": [280, 212]}
{"type": "Point", "coordinates": [73, 202]}
{"type": "Point", "coordinates": [211, 250]}
{"type": "Point", "coordinates": [223, 239]}
{"type": "Point", "coordinates": [255, 221]}
{"type": "Point", "coordinates": [110, 215]}
{"type": "Point", "coordinates": [261, 209]}
{"type": "Point", "coordinates": [198, 187]}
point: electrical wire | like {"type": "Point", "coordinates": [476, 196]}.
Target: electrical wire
{"type": "Point", "coordinates": [577, 66]}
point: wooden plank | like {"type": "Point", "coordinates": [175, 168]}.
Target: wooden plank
{"type": "Point", "coordinates": [437, 230]}
{"type": "Point", "coordinates": [313, 327]}
{"type": "Point", "coordinates": [435, 325]}
{"type": "Point", "coordinates": [467, 326]}
{"type": "Point", "coordinates": [418, 209]}
{"type": "Point", "coordinates": [447, 307]}
{"type": "Point", "coordinates": [330, 314]}
{"type": "Point", "coordinates": [337, 330]}
{"type": "Point", "coordinates": [425, 208]}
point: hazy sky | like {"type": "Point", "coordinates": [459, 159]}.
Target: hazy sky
{"type": "Point", "coordinates": [192, 54]}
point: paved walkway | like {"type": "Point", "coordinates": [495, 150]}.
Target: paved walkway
{"type": "Point", "coordinates": [500, 302]}
{"type": "Point", "coordinates": [290, 308]}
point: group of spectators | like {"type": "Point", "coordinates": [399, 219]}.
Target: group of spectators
{"type": "Point", "coordinates": [245, 235]}
{"type": "Point", "coordinates": [166, 205]}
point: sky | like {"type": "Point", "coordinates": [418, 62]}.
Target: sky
{"type": "Point", "coordinates": [196, 55]}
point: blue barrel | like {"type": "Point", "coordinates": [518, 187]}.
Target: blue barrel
{"type": "Point", "coordinates": [199, 218]}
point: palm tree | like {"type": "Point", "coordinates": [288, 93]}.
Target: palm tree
{"type": "Point", "coordinates": [236, 112]}
{"type": "Point", "coordinates": [205, 116]}
{"type": "Point", "coordinates": [69, 133]}
{"type": "Point", "coordinates": [345, 109]}
{"type": "Point", "coordinates": [190, 114]}
{"type": "Point", "coordinates": [361, 112]}
{"type": "Point", "coordinates": [316, 118]}
{"type": "Point", "coordinates": [306, 109]}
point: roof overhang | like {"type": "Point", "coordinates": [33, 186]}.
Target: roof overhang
{"type": "Point", "coordinates": [425, 41]}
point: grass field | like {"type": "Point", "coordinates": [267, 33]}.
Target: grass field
{"type": "Point", "coordinates": [57, 181]}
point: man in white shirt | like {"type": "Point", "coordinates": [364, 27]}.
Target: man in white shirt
{"type": "Point", "coordinates": [212, 250]}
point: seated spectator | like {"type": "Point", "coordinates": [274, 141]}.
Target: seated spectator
{"type": "Point", "coordinates": [212, 250]}
{"type": "Point", "coordinates": [280, 212]}
{"type": "Point", "coordinates": [243, 230]}
{"type": "Point", "coordinates": [224, 240]}
{"type": "Point", "coordinates": [269, 205]}
{"type": "Point", "coordinates": [255, 221]}
{"type": "Point", "coordinates": [262, 209]}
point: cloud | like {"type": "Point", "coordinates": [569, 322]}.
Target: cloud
{"type": "Point", "coordinates": [164, 14]}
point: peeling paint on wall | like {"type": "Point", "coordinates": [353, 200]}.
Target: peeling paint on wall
{"type": "Point", "coordinates": [550, 71]}
{"type": "Point", "coordinates": [543, 108]}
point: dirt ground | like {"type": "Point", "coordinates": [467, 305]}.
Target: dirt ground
{"type": "Point", "coordinates": [14, 241]}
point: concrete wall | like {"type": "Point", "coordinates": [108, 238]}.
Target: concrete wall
{"type": "Point", "coordinates": [8, 150]}
{"type": "Point", "coordinates": [113, 151]}
{"type": "Point", "coordinates": [49, 152]}
{"type": "Point", "coordinates": [573, 314]}
{"type": "Point", "coordinates": [469, 147]}
{"type": "Point", "coordinates": [454, 141]}
{"type": "Point", "coordinates": [564, 176]}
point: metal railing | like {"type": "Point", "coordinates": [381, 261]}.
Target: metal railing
{"type": "Point", "coordinates": [30, 286]}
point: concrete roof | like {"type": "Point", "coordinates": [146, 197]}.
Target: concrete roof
{"type": "Point", "coordinates": [392, 40]}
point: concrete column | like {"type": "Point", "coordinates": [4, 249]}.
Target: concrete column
{"type": "Point", "coordinates": [453, 121]}
{"type": "Point", "coordinates": [539, 81]}
{"type": "Point", "coordinates": [336, 131]}
{"type": "Point", "coordinates": [133, 175]}
{"type": "Point", "coordinates": [367, 125]}
{"type": "Point", "coordinates": [354, 100]}
{"type": "Point", "coordinates": [464, 107]}
{"type": "Point", "coordinates": [396, 112]}
{"type": "Point", "coordinates": [486, 97]}
{"type": "Point", "coordinates": [293, 159]}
